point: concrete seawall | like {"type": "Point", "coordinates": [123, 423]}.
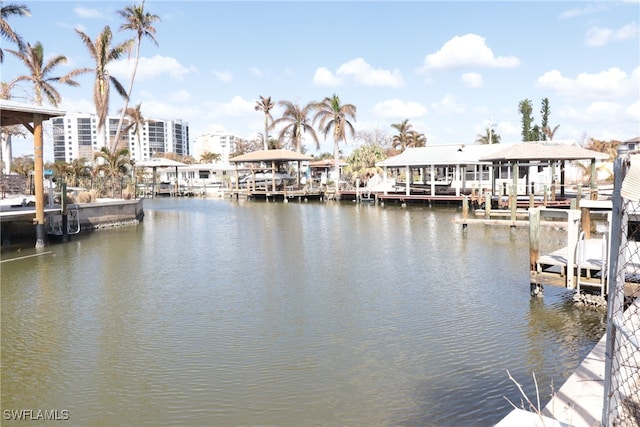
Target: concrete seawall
{"type": "Point", "coordinates": [19, 231]}
{"type": "Point", "coordinates": [110, 213]}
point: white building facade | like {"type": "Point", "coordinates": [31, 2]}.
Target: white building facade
{"type": "Point", "coordinates": [75, 136]}
{"type": "Point", "coordinates": [217, 142]}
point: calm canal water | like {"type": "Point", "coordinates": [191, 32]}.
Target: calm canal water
{"type": "Point", "coordinates": [223, 313]}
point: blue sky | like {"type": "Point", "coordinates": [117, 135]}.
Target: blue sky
{"type": "Point", "coordinates": [451, 68]}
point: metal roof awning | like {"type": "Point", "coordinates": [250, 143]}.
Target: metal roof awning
{"type": "Point", "coordinates": [271, 156]}
{"type": "Point", "coordinates": [544, 151]}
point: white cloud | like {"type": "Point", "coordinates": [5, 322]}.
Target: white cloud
{"type": "Point", "coordinates": [362, 72]}
{"type": "Point", "coordinates": [180, 96]}
{"type": "Point", "coordinates": [150, 68]}
{"type": "Point", "coordinates": [358, 71]}
{"type": "Point", "coordinates": [256, 71]}
{"type": "Point", "coordinates": [237, 106]}
{"type": "Point", "coordinates": [324, 77]}
{"type": "Point", "coordinates": [154, 109]}
{"type": "Point", "coordinates": [448, 104]}
{"type": "Point", "coordinates": [634, 111]}
{"type": "Point", "coordinates": [473, 80]}
{"type": "Point", "coordinates": [224, 76]}
{"type": "Point", "coordinates": [609, 84]}
{"type": "Point", "coordinates": [582, 11]}
{"type": "Point", "coordinates": [469, 50]}
{"type": "Point", "coordinates": [85, 12]}
{"type": "Point", "coordinates": [398, 109]}
{"type": "Point", "coordinates": [597, 36]}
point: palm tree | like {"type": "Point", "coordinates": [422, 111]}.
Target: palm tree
{"type": "Point", "coordinates": [400, 141]}
{"type": "Point", "coordinates": [39, 72]}
{"type": "Point", "coordinates": [114, 165]}
{"type": "Point", "coordinates": [5, 29]}
{"type": "Point", "coordinates": [549, 133]}
{"type": "Point", "coordinates": [490, 137]}
{"type": "Point", "coordinates": [363, 159]}
{"type": "Point", "coordinates": [416, 139]}
{"type": "Point", "coordinates": [136, 123]}
{"type": "Point", "coordinates": [60, 170]}
{"type": "Point", "coordinates": [296, 123]}
{"type": "Point", "coordinates": [332, 115]}
{"type": "Point", "coordinates": [78, 169]}
{"type": "Point", "coordinates": [209, 157]}
{"type": "Point", "coordinates": [103, 54]}
{"type": "Point", "coordinates": [141, 22]}
{"type": "Point", "coordinates": [265, 105]}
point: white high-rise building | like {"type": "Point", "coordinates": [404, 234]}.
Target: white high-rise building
{"type": "Point", "coordinates": [218, 142]}
{"type": "Point", "coordinates": [75, 136]}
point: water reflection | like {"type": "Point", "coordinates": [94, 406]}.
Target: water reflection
{"type": "Point", "coordinates": [244, 313]}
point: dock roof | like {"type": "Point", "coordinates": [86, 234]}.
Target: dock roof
{"type": "Point", "coordinates": [544, 151]}
{"type": "Point", "coordinates": [19, 113]}
{"type": "Point", "coordinates": [270, 155]}
{"type": "Point", "coordinates": [442, 154]}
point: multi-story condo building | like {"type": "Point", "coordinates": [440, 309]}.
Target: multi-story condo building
{"type": "Point", "coordinates": [216, 142]}
{"type": "Point", "coordinates": [75, 136]}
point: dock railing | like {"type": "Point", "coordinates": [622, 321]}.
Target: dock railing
{"type": "Point", "coordinates": [621, 406]}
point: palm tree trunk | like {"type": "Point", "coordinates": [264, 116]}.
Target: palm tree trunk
{"type": "Point", "coordinates": [336, 159]}
{"type": "Point", "coordinates": [126, 100]}
{"type": "Point", "coordinates": [6, 151]}
{"type": "Point", "coordinates": [266, 132]}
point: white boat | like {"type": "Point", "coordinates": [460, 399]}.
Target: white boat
{"type": "Point", "coordinates": [264, 179]}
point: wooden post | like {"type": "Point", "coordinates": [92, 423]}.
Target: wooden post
{"type": "Point", "coordinates": [39, 179]}
{"type": "Point", "coordinates": [534, 250]}
{"type": "Point", "coordinates": [545, 197]}
{"type": "Point", "coordinates": [592, 181]}
{"type": "Point", "coordinates": [513, 204]}
{"type": "Point", "coordinates": [487, 205]}
{"type": "Point", "coordinates": [573, 230]}
{"type": "Point", "coordinates": [586, 222]}
{"type": "Point", "coordinates": [465, 211]}
{"type": "Point", "coordinates": [63, 209]}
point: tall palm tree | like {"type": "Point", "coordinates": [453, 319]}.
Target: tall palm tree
{"type": "Point", "coordinates": [400, 141]}
{"type": "Point", "coordinates": [141, 22]}
{"type": "Point", "coordinates": [5, 29]}
{"type": "Point", "coordinates": [40, 72]}
{"type": "Point", "coordinates": [103, 54]}
{"type": "Point", "coordinates": [265, 105]}
{"type": "Point", "coordinates": [332, 115]}
{"type": "Point", "coordinates": [114, 164]}
{"type": "Point", "coordinates": [136, 124]}
{"type": "Point", "coordinates": [296, 123]}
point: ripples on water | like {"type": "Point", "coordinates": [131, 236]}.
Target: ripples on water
{"type": "Point", "coordinates": [223, 313]}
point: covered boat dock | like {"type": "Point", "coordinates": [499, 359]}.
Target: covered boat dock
{"type": "Point", "coordinates": [31, 117]}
